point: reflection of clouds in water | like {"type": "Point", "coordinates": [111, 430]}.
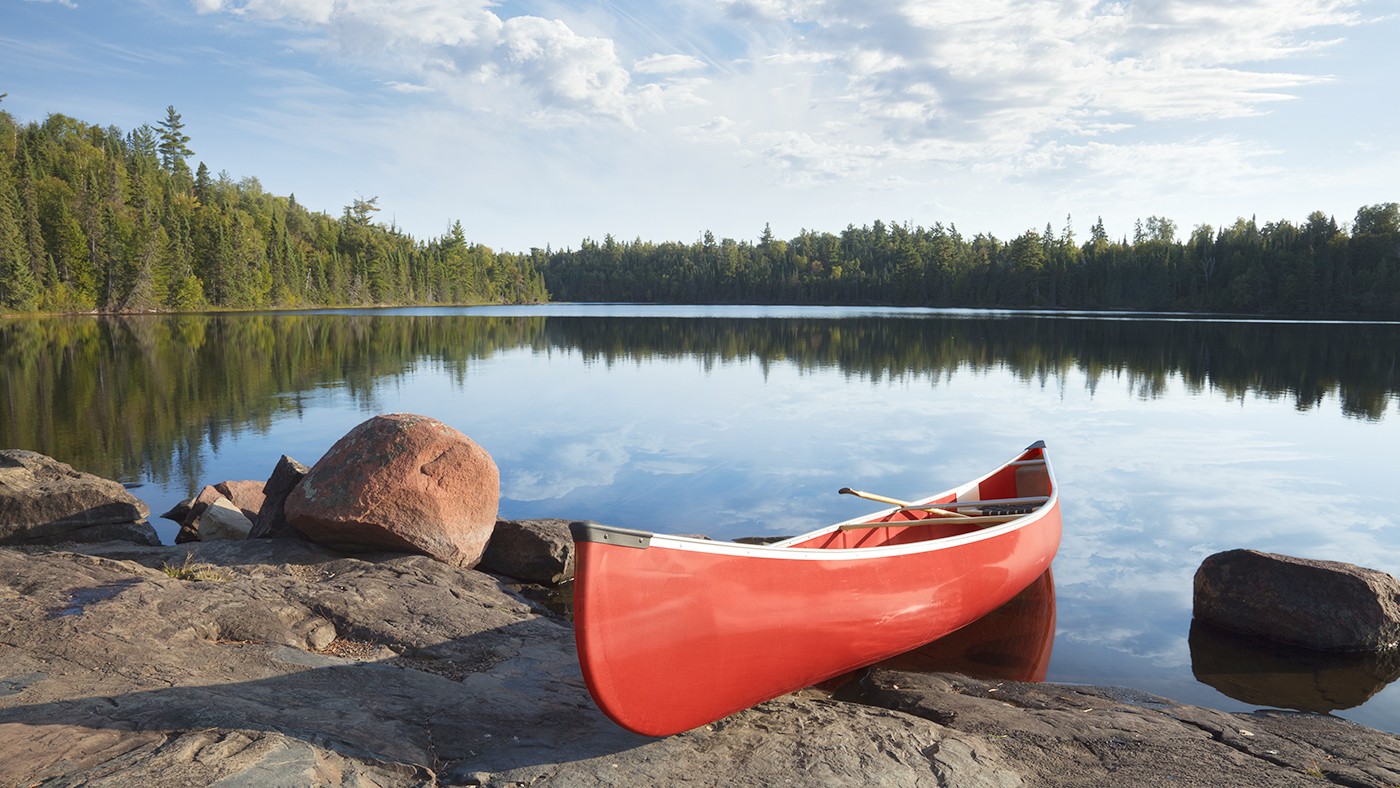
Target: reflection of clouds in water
{"type": "Point", "coordinates": [563, 465]}
{"type": "Point", "coordinates": [1173, 494]}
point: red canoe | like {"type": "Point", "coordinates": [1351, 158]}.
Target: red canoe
{"type": "Point", "coordinates": [675, 632]}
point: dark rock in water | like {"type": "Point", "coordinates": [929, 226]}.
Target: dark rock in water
{"type": "Point", "coordinates": [401, 482]}
{"type": "Point", "coordinates": [272, 517]}
{"type": "Point", "coordinates": [540, 551]}
{"type": "Point", "coordinates": [1325, 605]}
{"type": "Point", "coordinates": [1267, 673]}
{"type": "Point", "coordinates": [179, 511]}
{"type": "Point", "coordinates": [44, 501]}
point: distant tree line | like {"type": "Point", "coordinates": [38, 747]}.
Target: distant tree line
{"type": "Point", "coordinates": [1316, 268]}
{"type": "Point", "coordinates": [93, 218]}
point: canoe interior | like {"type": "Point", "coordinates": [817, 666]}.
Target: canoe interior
{"type": "Point", "coordinates": [1026, 477]}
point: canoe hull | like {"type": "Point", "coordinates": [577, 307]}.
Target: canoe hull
{"type": "Point", "coordinates": [680, 632]}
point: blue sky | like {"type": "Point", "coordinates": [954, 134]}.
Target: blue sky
{"type": "Point", "coordinates": [544, 122]}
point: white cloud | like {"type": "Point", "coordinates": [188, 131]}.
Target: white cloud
{"type": "Point", "coordinates": [64, 3]}
{"type": "Point", "coordinates": [667, 64]}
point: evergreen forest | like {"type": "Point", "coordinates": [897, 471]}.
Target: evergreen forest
{"type": "Point", "coordinates": [1318, 268]}
{"type": "Point", "coordinates": [94, 218]}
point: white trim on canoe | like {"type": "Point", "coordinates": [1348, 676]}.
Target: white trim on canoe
{"type": "Point", "coordinates": [781, 550]}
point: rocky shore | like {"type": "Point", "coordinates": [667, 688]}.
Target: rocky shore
{"type": "Point", "coordinates": [282, 662]}
{"type": "Point", "coordinates": [294, 664]}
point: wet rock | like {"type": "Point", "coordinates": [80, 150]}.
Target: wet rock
{"type": "Point", "coordinates": [540, 551]}
{"type": "Point", "coordinates": [44, 501]}
{"type": "Point", "coordinates": [1325, 605]}
{"type": "Point", "coordinates": [272, 517]}
{"type": "Point", "coordinates": [404, 483]}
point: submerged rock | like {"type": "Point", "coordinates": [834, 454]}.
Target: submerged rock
{"type": "Point", "coordinates": [401, 482]}
{"type": "Point", "coordinates": [44, 501]}
{"type": "Point", "coordinates": [1325, 605]}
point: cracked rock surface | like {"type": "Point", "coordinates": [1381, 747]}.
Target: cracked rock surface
{"type": "Point", "coordinates": [293, 664]}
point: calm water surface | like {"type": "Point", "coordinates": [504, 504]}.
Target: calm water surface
{"type": "Point", "coordinates": [1173, 437]}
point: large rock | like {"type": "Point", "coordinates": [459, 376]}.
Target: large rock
{"type": "Point", "coordinates": [44, 501]}
{"type": "Point", "coordinates": [540, 551]}
{"type": "Point", "coordinates": [1324, 605]}
{"type": "Point", "coordinates": [401, 482]}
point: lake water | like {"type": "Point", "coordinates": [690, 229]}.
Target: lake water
{"type": "Point", "coordinates": [1172, 437]}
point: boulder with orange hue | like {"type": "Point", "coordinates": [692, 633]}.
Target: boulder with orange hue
{"type": "Point", "coordinates": [403, 483]}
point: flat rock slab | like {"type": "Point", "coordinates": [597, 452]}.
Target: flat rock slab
{"type": "Point", "coordinates": [292, 664]}
{"type": "Point", "coordinates": [1071, 735]}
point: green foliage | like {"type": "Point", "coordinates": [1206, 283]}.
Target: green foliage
{"type": "Point", "coordinates": [94, 218]}
{"type": "Point", "coordinates": [1313, 269]}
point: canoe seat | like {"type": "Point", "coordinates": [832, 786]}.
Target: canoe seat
{"type": "Point", "coordinates": [1032, 480]}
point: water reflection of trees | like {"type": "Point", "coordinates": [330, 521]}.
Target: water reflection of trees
{"type": "Point", "coordinates": [127, 397]}
{"type": "Point", "coordinates": [1359, 363]}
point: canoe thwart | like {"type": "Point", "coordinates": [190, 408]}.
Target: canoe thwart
{"type": "Point", "coordinates": [985, 519]}
{"type": "Point", "coordinates": [1029, 500]}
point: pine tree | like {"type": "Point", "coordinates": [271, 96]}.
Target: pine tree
{"type": "Point", "coordinates": [174, 143]}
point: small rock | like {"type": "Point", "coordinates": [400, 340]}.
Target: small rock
{"type": "Point", "coordinates": [272, 517]}
{"type": "Point", "coordinates": [246, 495]}
{"type": "Point", "coordinates": [404, 483]}
{"type": "Point", "coordinates": [223, 520]}
{"type": "Point", "coordinates": [44, 501]}
{"type": "Point", "coordinates": [540, 551]}
{"type": "Point", "coordinates": [189, 526]}
{"type": "Point", "coordinates": [1325, 605]}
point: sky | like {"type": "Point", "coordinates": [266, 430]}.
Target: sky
{"type": "Point", "coordinates": [541, 123]}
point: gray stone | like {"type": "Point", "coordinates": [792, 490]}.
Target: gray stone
{"type": "Point", "coordinates": [1074, 735]}
{"type": "Point", "coordinates": [1325, 605]}
{"type": "Point", "coordinates": [272, 517]}
{"type": "Point", "coordinates": [44, 501]}
{"type": "Point", "coordinates": [223, 520]}
{"type": "Point", "coordinates": [539, 551]}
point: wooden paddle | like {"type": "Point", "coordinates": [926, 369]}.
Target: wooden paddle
{"type": "Point", "coordinates": [902, 504]}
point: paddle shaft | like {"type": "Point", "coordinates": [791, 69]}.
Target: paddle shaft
{"type": "Point", "coordinates": [897, 502]}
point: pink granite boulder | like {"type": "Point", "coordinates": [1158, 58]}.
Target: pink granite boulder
{"type": "Point", "coordinates": [404, 483]}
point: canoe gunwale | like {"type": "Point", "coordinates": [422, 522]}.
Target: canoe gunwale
{"type": "Point", "coordinates": [594, 532]}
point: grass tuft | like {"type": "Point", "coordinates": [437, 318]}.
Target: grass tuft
{"type": "Point", "coordinates": [194, 571]}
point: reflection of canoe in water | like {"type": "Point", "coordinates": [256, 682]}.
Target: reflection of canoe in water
{"type": "Point", "coordinates": [1265, 673]}
{"type": "Point", "coordinates": [1012, 642]}
{"type": "Point", "coordinates": [674, 632]}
